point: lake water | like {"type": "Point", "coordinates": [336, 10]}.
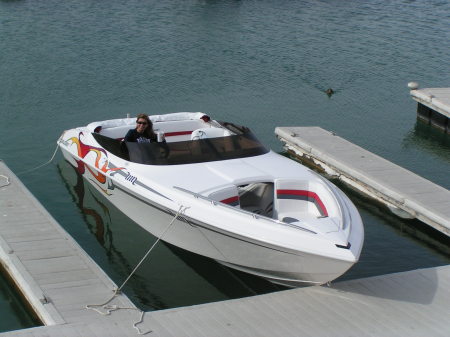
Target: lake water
{"type": "Point", "coordinates": [259, 63]}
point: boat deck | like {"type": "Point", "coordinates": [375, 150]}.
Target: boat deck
{"type": "Point", "coordinates": [404, 192]}
{"type": "Point", "coordinates": [59, 279]}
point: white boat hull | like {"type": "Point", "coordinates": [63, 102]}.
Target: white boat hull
{"type": "Point", "coordinates": [278, 252]}
{"type": "Point", "coordinates": [273, 263]}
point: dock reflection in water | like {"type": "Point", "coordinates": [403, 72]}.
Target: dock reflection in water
{"type": "Point", "coordinates": [433, 141]}
{"type": "Point", "coordinates": [14, 311]}
{"type": "Point", "coordinates": [170, 276]}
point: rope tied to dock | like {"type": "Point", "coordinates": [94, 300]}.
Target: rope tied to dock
{"type": "Point", "coordinates": [8, 182]}
{"type": "Point", "coordinates": [112, 307]}
{"type": "Point", "coordinates": [42, 165]}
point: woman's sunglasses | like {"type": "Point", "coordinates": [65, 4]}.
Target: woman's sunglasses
{"type": "Point", "coordinates": [143, 123]}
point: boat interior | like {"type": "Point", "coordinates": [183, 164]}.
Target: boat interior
{"type": "Point", "coordinates": [172, 130]}
{"type": "Point", "coordinates": [285, 200]}
{"type": "Point", "coordinates": [181, 141]}
{"type": "Point", "coordinates": [199, 140]}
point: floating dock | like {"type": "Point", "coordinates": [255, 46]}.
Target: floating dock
{"type": "Point", "coordinates": [59, 279]}
{"type": "Point", "coordinates": [433, 105]}
{"type": "Point", "coordinates": [404, 192]}
{"type": "Point", "coordinates": [54, 274]}
{"type": "Point", "coordinates": [413, 304]}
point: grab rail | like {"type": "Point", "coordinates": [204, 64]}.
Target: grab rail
{"type": "Point", "coordinates": [240, 210]}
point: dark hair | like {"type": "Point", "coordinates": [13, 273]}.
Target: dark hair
{"type": "Point", "coordinates": [148, 132]}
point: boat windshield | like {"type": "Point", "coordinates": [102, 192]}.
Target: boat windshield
{"type": "Point", "coordinates": [239, 145]}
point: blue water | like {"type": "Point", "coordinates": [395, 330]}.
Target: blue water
{"type": "Point", "coordinates": [260, 63]}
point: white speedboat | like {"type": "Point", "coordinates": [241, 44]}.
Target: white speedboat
{"type": "Point", "coordinates": [232, 199]}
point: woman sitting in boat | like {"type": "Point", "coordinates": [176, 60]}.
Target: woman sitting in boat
{"type": "Point", "coordinates": [143, 133]}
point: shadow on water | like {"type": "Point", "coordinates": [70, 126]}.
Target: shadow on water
{"type": "Point", "coordinates": [19, 314]}
{"type": "Point", "coordinates": [430, 139]}
{"type": "Point", "coordinates": [170, 277]}
{"type": "Point", "coordinates": [414, 229]}
{"type": "Point", "coordinates": [232, 283]}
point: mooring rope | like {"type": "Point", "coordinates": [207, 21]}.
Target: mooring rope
{"type": "Point", "coordinates": [42, 165]}
{"type": "Point", "coordinates": [7, 181]}
{"type": "Point", "coordinates": [110, 308]}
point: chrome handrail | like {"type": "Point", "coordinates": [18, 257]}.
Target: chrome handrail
{"type": "Point", "coordinates": [240, 210]}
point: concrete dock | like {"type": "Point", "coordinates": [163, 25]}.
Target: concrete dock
{"type": "Point", "coordinates": [404, 192]}
{"type": "Point", "coordinates": [58, 279]}
{"type": "Point", "coordinates": [433, 105]}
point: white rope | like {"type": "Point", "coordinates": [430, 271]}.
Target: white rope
{"type": "Point", "coordinates": [38, 167]}
{"type": "Point", "coordinates": [7, 181]}
{"type": "Point", "coordinates": [112, 307]}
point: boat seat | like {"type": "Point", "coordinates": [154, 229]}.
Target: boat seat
{"type": "Point", "coordinates": [204, 133]}
{"type": "Point", "coordinates": [297, 198]}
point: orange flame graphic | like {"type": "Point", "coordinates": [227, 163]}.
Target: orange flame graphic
{"type": "Point", "coordinates": [83, 151]}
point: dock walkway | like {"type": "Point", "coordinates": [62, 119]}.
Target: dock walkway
{"type": "Point", "coordinates": [56, 276]}
{"type": "Point", "coordinates": [433, 105]}
{"type": "Point", "coordinates": [59, 279]}
{"type": "Point", "coordinates": [404, 192]}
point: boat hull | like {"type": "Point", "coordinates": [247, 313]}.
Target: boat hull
{"type": "Point", "coordinates": [274, 263]}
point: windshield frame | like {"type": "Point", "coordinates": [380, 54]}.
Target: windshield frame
{"type": "Point", "coordinates": [241, 144]}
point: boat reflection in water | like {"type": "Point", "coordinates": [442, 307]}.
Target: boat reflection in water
{"type": "Point", "coordinates": [170, 276]}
